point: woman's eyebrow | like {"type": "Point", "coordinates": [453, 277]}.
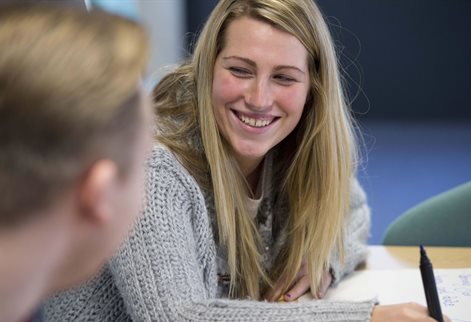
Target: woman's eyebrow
{"type": "Point", "coordinates": [245, 60]}
{"type": "Point", "coordinates": [253, 64]}
{"type": "Point", "coordinates": [289, 67]}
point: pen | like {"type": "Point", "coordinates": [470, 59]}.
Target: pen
{"type": "Point", "coordinates": [430, 288]}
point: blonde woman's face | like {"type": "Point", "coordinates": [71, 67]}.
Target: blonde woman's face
{"type": "Point", "coordinates": [260, 85]}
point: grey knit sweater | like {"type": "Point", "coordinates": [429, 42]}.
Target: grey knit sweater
{"type": "Point", "coordinates": [167, 269]}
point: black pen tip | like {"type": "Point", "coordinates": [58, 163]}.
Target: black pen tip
{"type": "Point", "coordinates": [422, 249]}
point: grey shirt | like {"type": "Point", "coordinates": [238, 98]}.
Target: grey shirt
{"type": "Point", "coordinates": [167, 269]}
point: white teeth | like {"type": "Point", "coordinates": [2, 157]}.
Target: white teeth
{"type": "Point", "coordinates": [254, 122]}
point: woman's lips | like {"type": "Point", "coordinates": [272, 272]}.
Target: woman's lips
{"type": "Point", "coordinates": [255, 120]}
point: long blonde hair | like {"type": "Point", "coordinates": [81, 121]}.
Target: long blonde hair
{"type": "Point", "coordinates": [315, 174]}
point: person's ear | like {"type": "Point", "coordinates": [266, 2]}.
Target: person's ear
{"type": "Point", "coordinates": [95, 195]}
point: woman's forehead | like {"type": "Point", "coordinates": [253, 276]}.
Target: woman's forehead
{"type": "Point", "coordinates": [260, 41]}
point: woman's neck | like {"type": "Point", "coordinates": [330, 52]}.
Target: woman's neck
{"type": "Point", "coordinates": [251, 170]}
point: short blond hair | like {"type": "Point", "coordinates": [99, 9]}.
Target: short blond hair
{"type": "Point", "coordinates": [68, 96]}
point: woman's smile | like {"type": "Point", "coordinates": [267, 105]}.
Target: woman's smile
{"type": "Point", "coordinates": [260, 86]}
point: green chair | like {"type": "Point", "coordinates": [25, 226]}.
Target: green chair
{"type": "Point", "coordinates": [443, 220]}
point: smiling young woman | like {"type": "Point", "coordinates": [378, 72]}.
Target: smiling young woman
{"type": "Point", "coordinates": [260, 87]}
{"type": "Point", "coordinates": [251, 187]}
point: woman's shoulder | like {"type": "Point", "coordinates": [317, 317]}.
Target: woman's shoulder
{"type": "Point", "coordinates": [167, 175]}
{"type": "Point", "coordinates": [357, 194]}
{"type": "Point", "coordinates": [161, 156]}
{"type": "Point", "coordinates": [164, 161]}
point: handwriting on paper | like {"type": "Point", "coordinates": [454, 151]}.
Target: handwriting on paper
{"type": "Point", "coordinates": [405, 285]}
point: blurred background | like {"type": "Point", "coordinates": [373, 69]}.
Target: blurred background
{"type": "Point", "coordinates": [406, 67]}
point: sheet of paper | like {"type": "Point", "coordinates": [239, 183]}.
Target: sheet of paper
{"type": "Point", "coordinates": [399, 286]}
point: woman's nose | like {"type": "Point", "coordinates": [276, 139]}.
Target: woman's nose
{"type": "Point", "coordinates": [259, 96]}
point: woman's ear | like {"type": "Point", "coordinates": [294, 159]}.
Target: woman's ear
{"type": "Point", "coordinates": [96, 190]}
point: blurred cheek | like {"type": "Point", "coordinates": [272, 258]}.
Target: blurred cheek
{"type": "Point", "coordinates": [133, 196]}
{"type": "Point", "coordinates": [131, 201]}
{"type": "Point", "coordinates": [135, 192]}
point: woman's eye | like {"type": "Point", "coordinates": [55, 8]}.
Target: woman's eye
{"type": "Point", "coordinates": [239, 72]}
{"type": "Point", "coordinates": [284, 79]}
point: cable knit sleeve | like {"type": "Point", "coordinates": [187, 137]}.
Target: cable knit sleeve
{"type": "Point", "coordinates": [166, 263]}
{"type": "Point", "coordinates": [356, 234]}
{"type": "Point", "coordinates": [167, 271]}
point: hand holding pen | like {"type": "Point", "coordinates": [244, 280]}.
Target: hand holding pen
{"type": "Point", "coordinates": [414, 311]}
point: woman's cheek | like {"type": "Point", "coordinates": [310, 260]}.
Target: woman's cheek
{"type": "Point", "coordinates": [226, 88]}
{"type": "Point", "coordinates": [293, 100]}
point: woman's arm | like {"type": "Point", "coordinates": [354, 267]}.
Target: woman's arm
{"type": "Point", "coordinates": [356, 234]}
{"type": "Point", "coordinates": [355, 241]}
{"type": "Point", "coordinates": [166, 271]}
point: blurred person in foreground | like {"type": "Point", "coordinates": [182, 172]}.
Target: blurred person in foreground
{"type": "Point", "coordinates": [74, 137]}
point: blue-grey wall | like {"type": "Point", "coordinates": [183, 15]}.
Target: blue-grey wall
{"type": "Point", "coordinates": [412, 59]}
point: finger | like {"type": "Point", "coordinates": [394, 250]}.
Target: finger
{"type": "Point", "coordinates": [274, 293]}
{"type": "Point", "coordinates": [302, 271]}
{"type": "Point", "coordinates": [301, 287]}
{"type": "Point", "coordinates": [324, 285]}
{"type": "Point", "coordinates": [417, 312]}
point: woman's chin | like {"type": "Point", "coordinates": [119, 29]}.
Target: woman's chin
{"type": "Point", "coordinates": [250, 156]}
